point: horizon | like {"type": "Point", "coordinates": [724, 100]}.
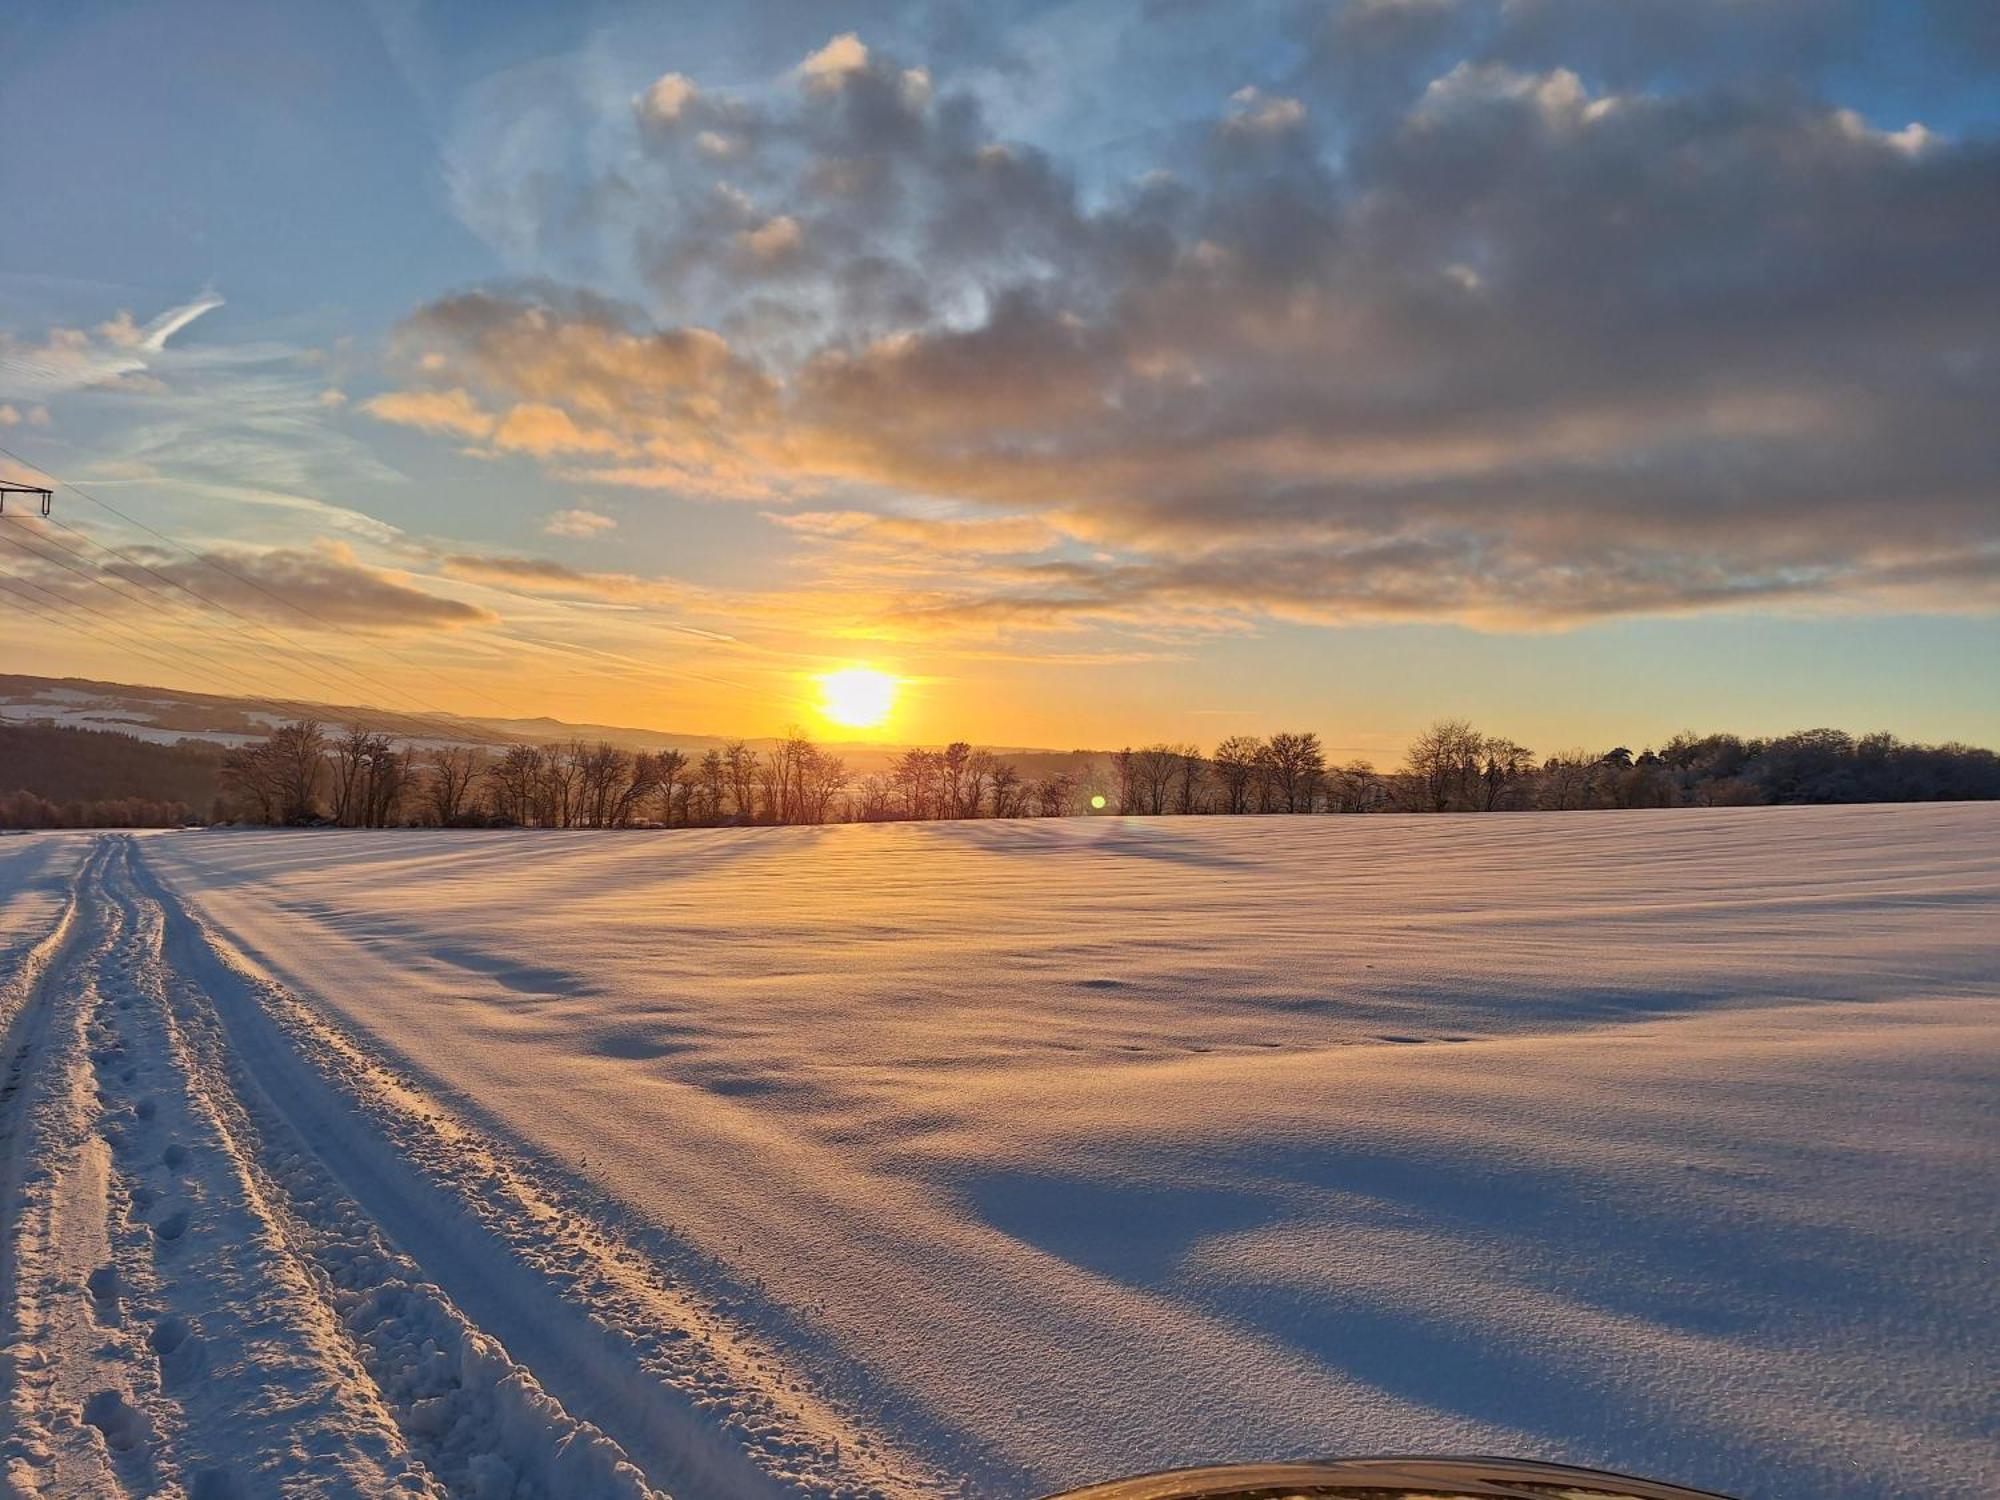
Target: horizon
{"type": "Point", "coordinates": [419, 727]}
{"type": "Point", "coordinates": [1086, 380]}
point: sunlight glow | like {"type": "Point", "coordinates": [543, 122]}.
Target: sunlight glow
{"type": "Point", "coordinates": [858, 697]}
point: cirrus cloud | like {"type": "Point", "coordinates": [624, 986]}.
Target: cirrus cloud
{"type": "Point", "coordinates": [577, 521]}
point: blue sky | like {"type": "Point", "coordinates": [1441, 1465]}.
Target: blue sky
{"type": "Point", "coordinates": [1106, 371]}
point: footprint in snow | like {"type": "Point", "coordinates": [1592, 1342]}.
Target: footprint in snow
{"type": "Point", "coordinates": [176, 1343]}
{"type": "Point", "coordinates": [169, 1334]}
{"type": "Point", "coordinates": [124, 1426]}
{"type": "Point", "coordinates": [172, 1227]}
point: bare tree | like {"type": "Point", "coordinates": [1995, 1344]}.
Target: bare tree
{"type": "Point", "coordinates": [1442, 766]}
{"type": "Point", "coordinates": [670, 769]}
{"type": "Point", "coordinates": [558, 794]}
{"type": "Point", "coordinates": [1124, 766]}
{"type": "Point", "coordinates": [448, 788]}
{"type": "Point", "coordinates": [1146, 778]}
{"type": "Point", "coordinates": [1506, 775]}
{"type": "Point", "coordinates": [952, 764]}
{"type": "Point", "coordinates": [387, 780]}
{"type": "Point", "coordinates": [979, 766]}
{"type": "Point", "coordinates": [1190, 776]}
{"type": "Point", "coordinates": [352, 753]}
{"type": "Point", "coordinates": [711, 782]}
{"type": "Point", "coordinates": [917, 780]}
{"type": "Point", "coordinates": [1298, 766]}
{"type": "Point", "coordinates": [1236, 763]}
{"type": "Point", "coordinates": [1055, 795]}
{"type": "Point", "coordinates": [821, 778]}
{"type": "Point", "coordinates": [1564, 784]}
{"type": "Point", "coordinates": [740, 769]}
{"type": "Point", "coordinates": [516, 779]}
{"type": "Point", "coordinates": [298, 761]}
{"type": "Point", "coordinates": [873, 799]}
{"type": "Point", "coordinates": [1357, 788]}
{"type": "Point", "coordinates": [253, 773]}
{"type": "Point", "coordinates": [1009, 795]}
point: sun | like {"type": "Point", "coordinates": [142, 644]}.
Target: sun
{"type": "Point", "coordinates": [858, 697]}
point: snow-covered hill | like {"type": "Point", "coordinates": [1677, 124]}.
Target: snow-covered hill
{"type": "Point", "coordinates": [999, 1157]}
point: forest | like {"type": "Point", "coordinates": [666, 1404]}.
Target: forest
{"type": "Point", "coordinates": [55, 776]}
{"type": "Point", "coordinates": [302, 774]}
{"type": "Point", "coordinates": [305, 774]}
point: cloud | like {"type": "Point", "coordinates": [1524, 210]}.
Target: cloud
{"type": "Point", "coordinates": [1516, 316]}
{"type": "Point", "coordinates": [981, 535]}
{"type": "Point", "coordinates": [452, 411]}
{"type": "Point", "coordinates": [544, 430]}
{"type": "Point", "coordinates": [1263, 114]}
{"type": "Point", "coordinates": [578, 522]}
{"type": "Point", "coordinates": [834, 63]}
{"type": "Point", "coordinates": [668, 99]}
{"type": "Point", "coordinates": [117, 353]}
{"type": "Point", "coordinates": [283, 585]}
{"type": "Point", "coordinates": [574, 381]}
{"type": "Point", "coordinates": [543, 575]}
{"type": "Point", "coordinates": [534, 573]}
{"type": "Point", "coordinates": [773, 240]}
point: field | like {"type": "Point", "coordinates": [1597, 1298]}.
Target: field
{"type": "Point", "coordinates": [992, 1158]}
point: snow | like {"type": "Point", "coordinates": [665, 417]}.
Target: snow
{"type": "Point", "coordinates": [1001, 1157]}
{"type": "Point", "coordinates": [35, 875]}
{"type": "Point", "coordinates": [119, 720]}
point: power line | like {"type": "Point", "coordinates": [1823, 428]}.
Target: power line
{"type": "Point", "coordinates": [358, 679]}
{"type": "Point", "coordinates": [156, 649]}
{"type": "Point", "coordinates": [382, 720]}
{"type": "Point", "coordinates": [96, 577]}
{"type": "Point", "coordinates": [451, 725]}
{"type": "Point", "coordinates": [451, 728]}
{"type": "Point", "coordinates": [143, 647]}
{"type": "Point", "coordinates": [246, 581]}
{"type": "Point", "coordinates": [25, 601]}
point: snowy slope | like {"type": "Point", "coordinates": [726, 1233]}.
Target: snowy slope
{"type": "Point", "coordinates": [36, 871]}
{"type": "Point", "coordinates": [1015, 1155]}
{"type": "Point", "coordinates": [998, 1157]}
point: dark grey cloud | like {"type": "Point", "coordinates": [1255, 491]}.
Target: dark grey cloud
{"type": "Point", "coordinates": [1565, 309]}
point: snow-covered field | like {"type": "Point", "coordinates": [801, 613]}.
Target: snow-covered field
{"type": "Point", "coordinates": [999, 1157]}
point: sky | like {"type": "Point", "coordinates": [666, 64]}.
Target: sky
{"type": "Point", "coordinates": [1103, 372]}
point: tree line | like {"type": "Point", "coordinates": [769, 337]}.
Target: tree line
{"type": "Point", "coordinates": [301, 774]}
{"type": "Point", "coordinates": [1453, 767]}
{"type": "Point", "coordinates": [357, 778]}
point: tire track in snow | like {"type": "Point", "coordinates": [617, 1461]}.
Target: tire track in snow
{"type": "Point", "coordinates": [189, 1310]}
{"type": "Point", "coordinates": [78, 1404]}
{"type": "Point", "coordinates": [158, 1339]}
{"type": "Point", "coordinates": [362, 1158]}
{"type": "Point", "coordinates": [268, 1392]}
{"type": "Point", "coordinates": [479, 1423]}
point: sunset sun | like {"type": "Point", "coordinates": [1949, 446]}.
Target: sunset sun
{"type": "Point", "coordinates": [857, 697]}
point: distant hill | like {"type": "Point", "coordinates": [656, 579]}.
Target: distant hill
{"type": "Point", "coordinates": [167, 716]}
